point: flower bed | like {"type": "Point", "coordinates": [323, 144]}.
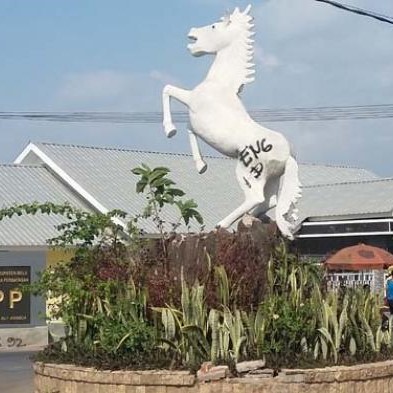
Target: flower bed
{"type": "Point", "coordinates": [132, 304]}
{"type": "Point", "coordinates": [374, 377]}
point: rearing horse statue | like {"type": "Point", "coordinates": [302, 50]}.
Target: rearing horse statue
{"type": "Point", "coordinates": [266, 170]}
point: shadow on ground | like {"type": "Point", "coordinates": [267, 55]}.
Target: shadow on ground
{"type": "Point", "coordinates": [16, 373]}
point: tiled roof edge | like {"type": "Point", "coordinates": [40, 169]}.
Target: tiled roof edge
{"type": "Point", "coordinates": [384, 179]}
{"type": "Point", "coordinates": [338, 216]}
{"type": "Point", "coordinates": [177, 154]}
{"type": "Point", "coordinates": [20, 166]}
{"type": "Point", "coordinates": [124, 150]}
{"type": "Point", "coordinates": [338, 166]}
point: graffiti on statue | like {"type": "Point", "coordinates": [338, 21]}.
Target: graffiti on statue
{"type": "Point", "coordinates": [268, 176]}
{"type": "Point", "coordinates": [250, 153]}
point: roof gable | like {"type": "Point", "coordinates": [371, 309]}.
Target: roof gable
{"type": "Point", "coordinates": [27, 184]}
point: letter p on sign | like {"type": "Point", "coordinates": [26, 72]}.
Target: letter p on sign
{"type": "Point", "coordinates": [15, 297]}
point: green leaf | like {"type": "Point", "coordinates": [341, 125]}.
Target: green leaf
{"type": "Point", "coordinates": [141, 185]}
{"type": "Point", "coordinates": [162, 182]}
{"type": "Point", "coordinates": [138, 171]}
{"type": "Point", "coordinates": [124, 338]}
{"type": "Point", "coordinates": [175, 192]}
{"type": "Point", "coordinates": [197, 338]}
{"type": "Point", "coordinates": [146, 167]}
{"type": "Point", "coordinates": [195, 214]}
{"type": "Point", "coordinates": [170, 344]}
{"type": "Point", "coordinates": [156, 174]}
{"type": "Point", "coordinates": [327, 336]}
{"type": "Point", "coordinates": [162, 168]}
{"type": "Point", "coordinates": [352, 346]}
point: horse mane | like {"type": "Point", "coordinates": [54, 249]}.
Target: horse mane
{"type": "Point", "coordinates": [244, 68]}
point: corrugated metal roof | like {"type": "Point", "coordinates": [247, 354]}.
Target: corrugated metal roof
{"type": "Point", "coordinates": [28, 184]}
{"type": "Point", "coordinates": [314, 174]}
{"type": "Point", "coordinates": [106, 174]}
{"type": "Point", "coordinates": [347, 199]}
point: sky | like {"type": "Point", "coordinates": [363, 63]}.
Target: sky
{"type": "Point", "coordinates": [96, 55]}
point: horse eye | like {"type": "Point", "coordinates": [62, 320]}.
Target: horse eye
{"type": "Point", "coordinates": [214, 26]}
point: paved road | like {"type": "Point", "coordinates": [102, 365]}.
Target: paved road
{"type": "Point", "coordinates": [16, 374]}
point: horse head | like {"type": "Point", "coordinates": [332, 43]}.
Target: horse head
{"type": "Point", "coordinates": [217, 36]}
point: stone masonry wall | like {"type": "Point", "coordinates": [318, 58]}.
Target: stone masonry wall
{"type": "Point", "coordinates": [366, 378]}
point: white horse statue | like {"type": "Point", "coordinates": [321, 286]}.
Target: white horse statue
{"type": "Point", "coordinates": [266, 170]}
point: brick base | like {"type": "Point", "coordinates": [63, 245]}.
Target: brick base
{"type": "Point", "coordinates": [365, 378]}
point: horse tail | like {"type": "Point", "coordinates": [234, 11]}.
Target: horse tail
{"type": "Point", "coordinates": [289, 193]}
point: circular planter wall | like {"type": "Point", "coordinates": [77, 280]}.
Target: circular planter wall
{"type": "Point", "coordinates": [365, 378]}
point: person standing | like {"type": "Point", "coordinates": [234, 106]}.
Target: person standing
{"type": "Point", "coordinates": [389, 291]}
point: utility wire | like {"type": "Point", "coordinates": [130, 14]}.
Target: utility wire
{"type": "Point", "coordinates": [327, 113]}
{"type": "Point", "coordinates": [359, 11]}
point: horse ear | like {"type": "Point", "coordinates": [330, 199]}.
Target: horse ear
{"type": "Point", "coordinates": [226, 18]}
{"type": "Point", "coordinates": [247, 10]}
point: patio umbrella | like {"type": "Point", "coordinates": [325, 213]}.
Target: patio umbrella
{"type": "Point", "coordinates": [360, 257]}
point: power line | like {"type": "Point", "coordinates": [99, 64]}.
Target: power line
{"type": "Point", "coordinates": [359, 11]}
{"type": "Point", "coordinates": [326, 113]}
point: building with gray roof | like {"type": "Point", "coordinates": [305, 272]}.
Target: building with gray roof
{"type": "Point", "coordinates": [100, 179]}
{"type": "Point", "coordinates": [340, 206]}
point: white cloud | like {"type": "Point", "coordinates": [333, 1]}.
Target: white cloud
{"type": "Point", "coordinates": [326, 56]}
{"type": "Point", "coordinates": [337, 57]}
{"type": "Point", "coordinates": [163, 77]}
{"type": "Point", "coordinates": [112, 90]}
{"type": "Point", "coordinates": [267, 60]}
{"type": "Point", "coordinates": [95, 85]}
{"type": "Point", "coordinates": [292, 19]}
{"type": "Point", "coordinates": [385, 77]}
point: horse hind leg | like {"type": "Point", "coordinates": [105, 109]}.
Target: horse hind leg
{"type": "Point", "coordinates": [245, 207]}
{"type": "Point", "coordinates": [271, 194]}
{"type": "Point", "coordinates": [196, 153]}
{"type": "Point", "coordinates": [253, 191]}
{"type": "Point", "coordinates": [290, 192]}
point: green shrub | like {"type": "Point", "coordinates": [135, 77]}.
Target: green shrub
{"type": "Point", "coordinates": [135, 338]}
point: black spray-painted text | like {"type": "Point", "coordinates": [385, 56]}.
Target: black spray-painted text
{"type": "Point", "coordinates": [251, 153]}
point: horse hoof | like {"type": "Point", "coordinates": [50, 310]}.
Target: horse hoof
{"type": "Point", "coordinates": [171, 133]}
{"type": "Point", "coordinates": [202, 168]}
{"type": "Point", "coordinates": [222, 225]}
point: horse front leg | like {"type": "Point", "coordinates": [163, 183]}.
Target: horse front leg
{"type": "Point", "coordinates": [182, 96]}
{"type": "Point", "coordinates": [196, 153]}
{"type": "Point", "coordinates": [244, 208]}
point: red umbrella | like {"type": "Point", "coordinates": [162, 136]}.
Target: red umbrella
{"type": "Point", "coordinates": [360, 257]}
